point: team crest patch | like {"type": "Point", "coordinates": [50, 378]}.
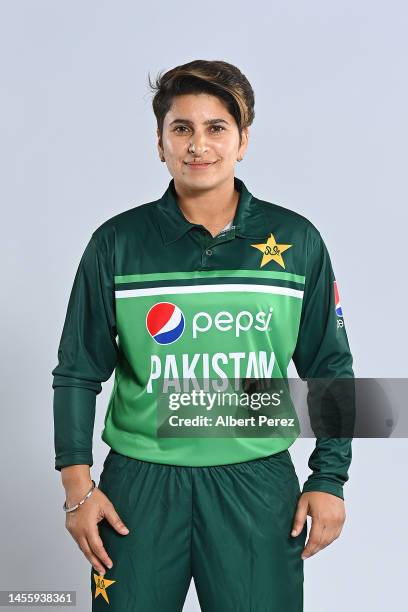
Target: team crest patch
{"type": "Point", "coordinates": [272, 251]}
{"type": "Point", "coordinates": [102, 584]}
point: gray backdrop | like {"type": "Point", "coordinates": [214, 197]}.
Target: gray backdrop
{"type": "Point", "coordinates": [78, 145]}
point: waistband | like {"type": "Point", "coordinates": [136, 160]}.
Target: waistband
{"type": "Point", "coordinates": [285, 454]}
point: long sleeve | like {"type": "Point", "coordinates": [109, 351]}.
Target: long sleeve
{"type": "Point", "coordinates": [87, 355]}
{"type": "Point", "coordinates": [323, 352]}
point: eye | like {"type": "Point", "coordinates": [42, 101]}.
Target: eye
{"type": "Point", "coordinates": [219, 128]}
{"type": "Point", "coordinates": [180, 127]}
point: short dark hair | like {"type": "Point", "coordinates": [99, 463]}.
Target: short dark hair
{"type": "Point", "coordinates": [215, 77]}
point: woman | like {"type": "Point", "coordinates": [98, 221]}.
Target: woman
{"type": "Point", "coordinates": [208, 282]}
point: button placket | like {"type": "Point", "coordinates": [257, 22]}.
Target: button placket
{"type": "Point", "coordinates": [224, 237]}
{"type": "Point", "coordinates": [211, 243]}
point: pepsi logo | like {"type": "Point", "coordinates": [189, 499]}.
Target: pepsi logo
{"type": "Point", "coordinates": [339, 311]}
{"type": "Point", "coordinates": [165, 322]}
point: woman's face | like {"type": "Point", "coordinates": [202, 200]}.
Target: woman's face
{"type": "Point", "coordinates": [204, 121]}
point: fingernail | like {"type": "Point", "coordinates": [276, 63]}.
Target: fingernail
{"type": "Point", "coordinates": [304, 557]}
{"type": "Point", "coordinates": [110, 565]}
{"type": "Point", "coordinates": [293, 532]}
{"type": "Point", "coordinates": [125, 530]}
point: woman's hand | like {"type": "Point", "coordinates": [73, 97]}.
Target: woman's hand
{"type": "Point", "coordinates": [82, 524]}
{"type": "Point", "coordinates": [328, 517]}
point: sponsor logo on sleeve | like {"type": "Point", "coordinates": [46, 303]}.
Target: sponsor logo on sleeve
{"type": "Point", "coordinates": [337, 302]}
{"type": "Point", "coordinates": [337, 306]}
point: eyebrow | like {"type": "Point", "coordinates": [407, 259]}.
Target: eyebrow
{"type": "Point", "coordinates": [207, 122]}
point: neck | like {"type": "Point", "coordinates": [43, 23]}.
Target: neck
{"type": "Point", "coordinates": [212, 208]}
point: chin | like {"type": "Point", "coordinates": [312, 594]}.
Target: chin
{"type": "Point", "coordinates": [207, 182]}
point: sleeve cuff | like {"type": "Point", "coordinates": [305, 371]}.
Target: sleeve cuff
{"type": "Point", "coordinates": [75, 458]}
{"type": "Point", "coordinates": [325, 486]}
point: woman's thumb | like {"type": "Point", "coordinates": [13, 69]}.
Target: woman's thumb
{"type": "Point", "coordinates": [114, 519]}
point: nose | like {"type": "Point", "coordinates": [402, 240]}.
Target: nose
{"type": "Point", "coordinates": [198, 141]}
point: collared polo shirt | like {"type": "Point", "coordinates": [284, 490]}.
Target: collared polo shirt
{"type": "Point", "coordinates": [158, 298]}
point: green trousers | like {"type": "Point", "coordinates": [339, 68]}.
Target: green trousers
{"type": "Point", "coordinates": [226, 526]}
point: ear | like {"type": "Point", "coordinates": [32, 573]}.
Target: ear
{"type": "Point", "coordinates": [244, 141]}
{"type": "Point", "coordinates": [159, 143]}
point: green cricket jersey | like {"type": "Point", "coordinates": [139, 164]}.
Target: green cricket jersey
{"type": "Point", "coordinates": [156, 298]}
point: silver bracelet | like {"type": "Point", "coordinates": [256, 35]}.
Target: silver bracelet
{"type": "Point", "coordinates": [65, 507]}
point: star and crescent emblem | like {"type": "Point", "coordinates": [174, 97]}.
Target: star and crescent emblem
{"type": "Point", "coordinates": [272, 251]}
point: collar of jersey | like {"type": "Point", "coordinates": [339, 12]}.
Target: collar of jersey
{"type": "Point", "coordinates": [248, 222]}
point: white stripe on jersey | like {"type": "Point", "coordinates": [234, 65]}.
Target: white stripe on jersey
{"type": "Point", "coordinates": [297, 293]}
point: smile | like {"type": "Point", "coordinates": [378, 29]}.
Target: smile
{"type": "Point", "coordinates": [197, 166]}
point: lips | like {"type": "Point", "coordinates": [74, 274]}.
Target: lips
{"type": "Point", "coordinates": [199, 163]}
